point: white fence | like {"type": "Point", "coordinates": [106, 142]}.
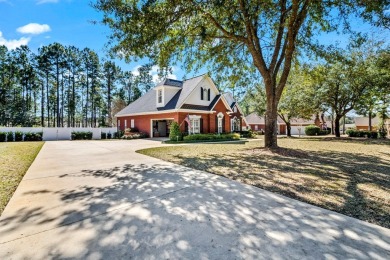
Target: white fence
{"type": "Point", "coordinates": [60, 133]}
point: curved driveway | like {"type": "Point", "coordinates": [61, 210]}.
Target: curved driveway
{"type": "Point", "coordinates": [101, 200]}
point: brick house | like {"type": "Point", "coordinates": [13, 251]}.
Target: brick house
{"type": "Point", "coordinates": [257, 123]}
{"type": "Point", "coordinates": [208, 110]}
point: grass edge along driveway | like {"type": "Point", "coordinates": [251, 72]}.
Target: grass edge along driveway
{"type": "Point", "coordinates": [351, 177]}
{"type": "Point", "coordinates": [15, 159]}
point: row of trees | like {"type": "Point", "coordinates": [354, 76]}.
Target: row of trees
{"type": "Point", "coordinates": [64, 86]}
{"type": "Point", "coordinates": [354, 79]}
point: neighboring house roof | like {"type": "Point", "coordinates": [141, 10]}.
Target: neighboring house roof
{"type": "Point", "coordinates": [147, 102]}
{"type": "Point", "coordinates": [363, 121]}
{"type": "Point", "coordinates": [254, 119]}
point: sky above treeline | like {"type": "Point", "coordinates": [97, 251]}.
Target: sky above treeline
{"type": "Point", "coordinates": [38, 23]}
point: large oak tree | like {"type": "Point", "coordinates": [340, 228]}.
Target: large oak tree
{"type": "Point", "coordinates": [229, 34]}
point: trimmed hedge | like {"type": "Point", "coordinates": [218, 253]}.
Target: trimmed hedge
{"type": "Point", "coordinates": [312, 130]}
{"type": "Point", "coordinates": [231, 136]}
{"type": "Point", "coordinates": [81, 135]}
{"type": "Point", "coordinates": [362, 133]}
{"type": "Point", "coordinates": [135, 136]}
{"type": "Point", "coordinates": [18, 136]}
{"type": "Point", "coordinates": [10, 137]}
{"type": "Point", "coordinates": [246, 134]}
{"type": "Point", "coordinates": [3, 136]}
{"type": "Point", "coordinates": [33, 136]}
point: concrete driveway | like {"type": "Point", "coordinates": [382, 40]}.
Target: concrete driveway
{"type": "Point", "coordinates": [101, 200]}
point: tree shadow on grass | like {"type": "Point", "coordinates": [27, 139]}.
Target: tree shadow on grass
{"type": "Point", "coordinates": [356, 185]}
{"type": "Point", "coordinates": [168, 211]}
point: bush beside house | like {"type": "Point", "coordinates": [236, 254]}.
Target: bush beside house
{"type": "Point", "coordinates": [362, 133]}
{"type": "Point", "coordinates": [81, 135]}
{"type": "Point", "coordinates": [174, 133]}
{"type": "Point", "coordinates": [312, 130]}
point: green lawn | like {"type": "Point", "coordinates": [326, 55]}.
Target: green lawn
{"type": "Point", "coordinates": [348, 176]}
{"type": "Point", "coordinates": [15, 159]}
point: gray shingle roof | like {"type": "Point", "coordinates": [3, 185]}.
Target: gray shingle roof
{"type": "Point", "coordinates": [147, 102]}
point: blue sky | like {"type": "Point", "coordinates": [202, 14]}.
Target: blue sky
{"type": "Point", "coordinates": [41, 22]}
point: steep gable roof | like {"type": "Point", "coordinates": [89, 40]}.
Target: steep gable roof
{"type": "Point", "coordinates": [147, 102]}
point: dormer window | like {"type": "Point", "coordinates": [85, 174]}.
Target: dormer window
{"type": "Point", "coordinates": [159, 100]}
{"type": "Point", "coordinates": [205, 94]}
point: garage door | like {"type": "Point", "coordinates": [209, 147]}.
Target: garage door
{"type": "Point", "coordinates": [295, 130]}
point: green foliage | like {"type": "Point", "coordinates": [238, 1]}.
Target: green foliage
{"type": "Point", "coordinates": [103, 136]}
{"type": "Point", "coordinates": [33, 136]}
{"type": "Point", "coordinates": [10, 137]}
{"type": "Point", "coordinates": [362, 133]}
{"type": "Point", "coordinates": [82, 135]}
{"type": "Point", "coordinates": [203, 137]}
{"type": "Point", "coordinates": [137, 135]}
{"type": "Point", "coordinates": [312, 130]}
{"type": "Point", "coordinates": [246, 134]}
{"type": "Point", "coordinates": [174, 133]}
{"type": "Point", "coordinates": [18, 136]}
{"type": "Point", "coordinates": [3, 136]}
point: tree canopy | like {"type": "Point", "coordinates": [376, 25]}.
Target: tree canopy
{"type": "Point", "coordinates": [234, 37]}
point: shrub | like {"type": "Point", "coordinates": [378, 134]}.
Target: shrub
{"type": "Point", "coordinates": [382, 134]}
{"type": "Point", "coordinates": [174, 133]}
{"type": "Point", "coordinates": [10, 137]}
{"type": "Point", "coordinates": [18, 136]}
{"type": "Point", "coordinates": [3, 136]}
{"type": "Point", "coordinates": [207, 137]}
{"type": "Point", "coordinates": [109, 136]}
{"type": "Point", "coordinates": [312, 130]}
{"type": "Point", "coordinates": [33, 136]}
{"type": "Point", "coordinates": [135, 136]}
{"type": "Point", "coordinates": [246, 134]}
{"type": "Point", "coordinates": [81, 135]}
{"type": "Point", "coordinates": [103, 135]}
{"type": "Point", "coordinates": [119, 134]}
{"type": "Point", "coordinates": [362, 133]}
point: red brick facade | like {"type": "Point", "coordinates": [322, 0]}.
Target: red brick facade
{"type": "Point", "coordinates": [209, 119]}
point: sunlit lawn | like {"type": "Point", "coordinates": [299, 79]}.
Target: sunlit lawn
{"type": "Point", "coordinates": [348, 176]}
{"type": "Point", "coordinates": [15, 159]}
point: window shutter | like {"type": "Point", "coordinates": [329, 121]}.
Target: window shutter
{"type": "Point", "coordinates": [201, 93]}
{"type": "Point", "coordinates": [208, 94]}
{"type": "Point", "coordinates": [223, 125]}
{"type": "Point", "coordinates": [185, 127]}
{"type": "Point", "coordinates": [216, 124]}
{"type": "Point", "coordinates": [201, 125]}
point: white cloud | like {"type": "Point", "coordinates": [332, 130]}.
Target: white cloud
{"type": "Point", "coordinates": [13, 44]}
{"type": "Point", "coordinates": [47, 2]}
{"type": "Point", "coordinates": [34, 28]}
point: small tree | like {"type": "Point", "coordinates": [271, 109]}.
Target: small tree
{"type": "Point", "coordinates": [174, 133]}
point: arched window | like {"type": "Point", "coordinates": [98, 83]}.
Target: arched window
{"type": "Point", "coordinates": [208, 94]}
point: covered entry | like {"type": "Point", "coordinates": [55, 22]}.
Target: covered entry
{"type": "Point", "coordinates": [160, 127]}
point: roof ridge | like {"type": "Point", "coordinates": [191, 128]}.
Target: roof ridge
{"type": "Point", "coordinates": [195, 77]}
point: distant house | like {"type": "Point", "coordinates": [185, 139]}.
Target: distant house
{"type": "Point", "coordinates": [196, 104]}
{"type": "Point", "coordinates": [257, 123]}
{"type": "Point", "coordinates": [361, 123]}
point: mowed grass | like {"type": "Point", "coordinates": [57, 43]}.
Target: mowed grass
{"type": "Point", "coordinates": [348, 176]}
{"type": "Point", "coordinates": [15, 159]}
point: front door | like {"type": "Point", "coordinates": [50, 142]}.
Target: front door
{"type": "Point", "coordinates": [162, 128]}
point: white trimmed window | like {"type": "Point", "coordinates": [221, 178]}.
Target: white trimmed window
{"type": "Point", "coordinates": [220, 122]}
{"type": "Point", "coordinates": [126, 123]}
{"type": "Point", "coordinates": [235, 124]}
{"type": "Point", "coordinates": [256, 127]}
{"type": "Point", "coordinates": [195, 125]}
{"type": "Point", "coordinates": [132, 123]}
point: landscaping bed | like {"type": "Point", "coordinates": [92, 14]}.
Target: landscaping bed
{"type": "Point", "coordinates": [349, 176]}
{"type": "Point", "coordinates": [15, 159]}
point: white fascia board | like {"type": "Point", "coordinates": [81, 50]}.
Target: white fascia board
{"type": "Point", "coordinates": [168, 111]}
